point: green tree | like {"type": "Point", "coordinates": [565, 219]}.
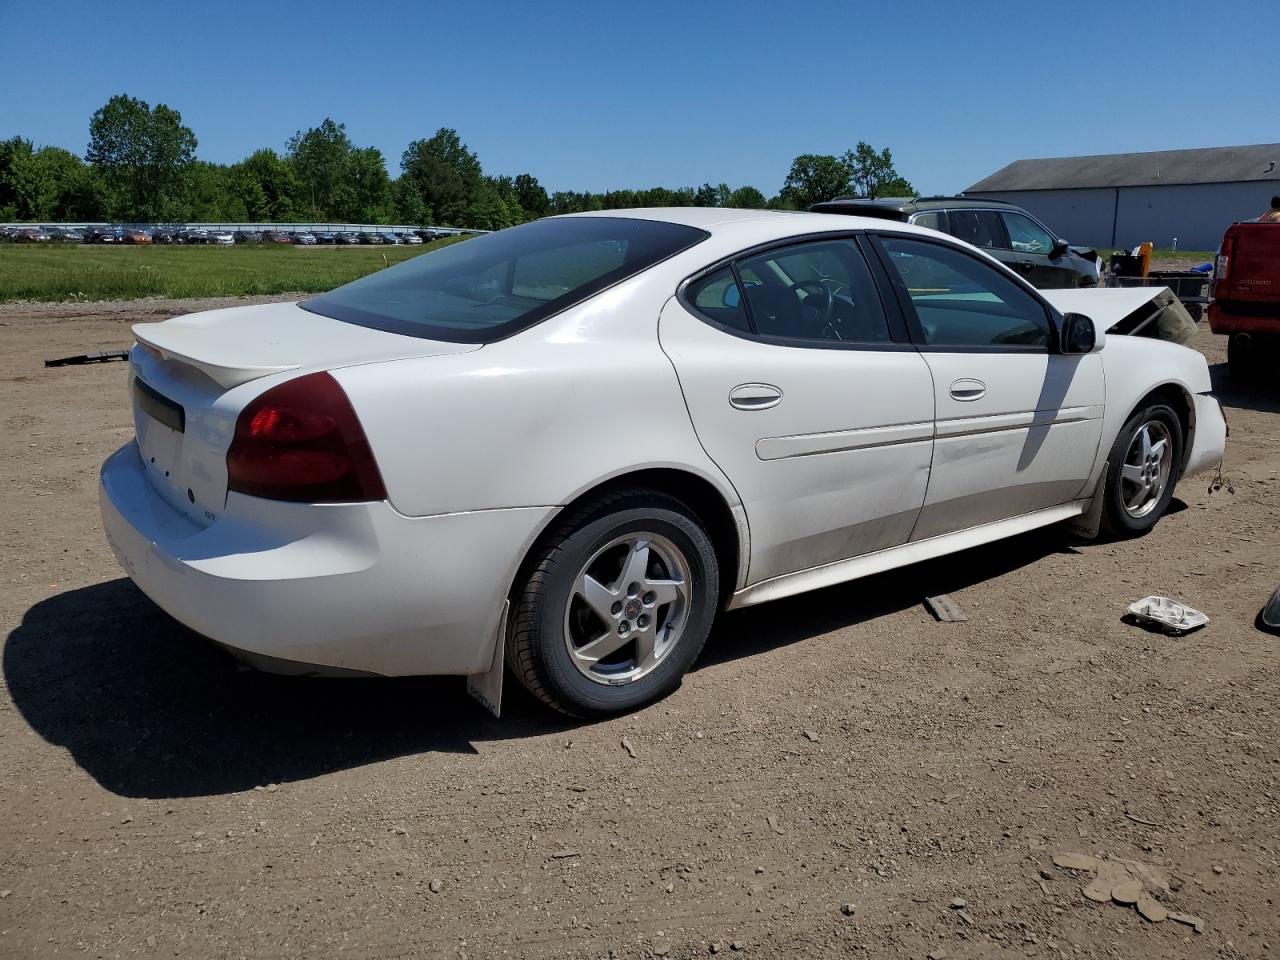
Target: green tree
{"type": "Point", "coordinates": [409, 206]}
{"type": "Point", "coordinates": [48, 184]}
{"type": "Point", "coordinates": [747, 198]}
{"type": "Point", "coordinates": [707, 196]}
{"type": "Point", "coordinates": [320, 157]}
{"type": "Point", "coordinates": [13, 153]}
{"type": "Point", "coordinates": [814, 178]}
{"type": "Point", "coordinates": [208, 198]}
{"type": "Point", "coordinates": [872, 174]}
{"type": "Point", "coordinates": [446, 175]}
{"type": "Point", "coordinates": [143, 155]}
{"type": "Point", "coordinates": [267, 186]}
{"type": "Point", "coordinates": [491, 211]}
{"type": "Point", "coordinates": [532, 196]}
{"type": "Point", "coordinates": [566, 201]}
{"type": "Point", "coordinates": [67, 189]}
{"type": "Point", "coordinates": [369, 188]}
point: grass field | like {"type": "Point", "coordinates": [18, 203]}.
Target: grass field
{"type": "Point", "coordinates": [55, 272]}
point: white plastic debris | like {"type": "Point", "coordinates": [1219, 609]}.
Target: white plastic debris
{"type": "Point", "coordinates": [1166, 614]}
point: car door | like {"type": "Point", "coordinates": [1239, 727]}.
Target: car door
{"type": "Point", "coordinates": [817, 409]}
{"type": "Point", "coordinates": [1017, 423]}
{"type": "Point", "coordinates": [1032, 248]}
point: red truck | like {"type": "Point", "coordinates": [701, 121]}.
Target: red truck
{"type": "Point", "coordinates": [1246, 299]}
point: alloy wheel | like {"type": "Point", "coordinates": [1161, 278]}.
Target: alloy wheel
{"type": "Point", "coordinates": [627, 608]}
{"type": "Point", "coordinates": [1145, 471]}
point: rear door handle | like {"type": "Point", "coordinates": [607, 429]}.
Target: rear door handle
{"type": "Point", "coordinates": [755, 396]}
{"type": "Point", "coordinates": [966, 389]}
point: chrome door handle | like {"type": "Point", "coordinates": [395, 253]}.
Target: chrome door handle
{"type": "Point", "coordinates": [755, 396]}
{"type": "Point", "coordinates": [966, 390]}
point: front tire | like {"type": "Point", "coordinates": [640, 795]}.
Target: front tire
{"type": "Point", "coordinates": [617, 604]}
{"type": "Point", "coordinates": [1142, 471]}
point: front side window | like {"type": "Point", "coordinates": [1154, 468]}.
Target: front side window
{"type": "Point", "coordinates": [821, 290]}
{"type": "Point", "coordinates": [1025, 235]}
{"type": "Point", "coordinates": [982, 228]}
{"type": "Point", "coordinates": [963, 302]}
{"type": "Point", "coordinates": [488, 287]}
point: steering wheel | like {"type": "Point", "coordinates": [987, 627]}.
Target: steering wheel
{"type": "Point", "coordinates": [824, 302]}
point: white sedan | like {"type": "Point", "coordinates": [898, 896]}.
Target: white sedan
{"type": "Point", "coordinates": [566, 446]}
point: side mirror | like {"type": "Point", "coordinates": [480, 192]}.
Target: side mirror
{"type": "Point", "coordinates": [1058, 249]}
{"type": "Point", "coordinates": [1080, 334]}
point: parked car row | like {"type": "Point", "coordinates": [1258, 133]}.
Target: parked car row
{"type": "Point", "coordinates": [178, 235]}
{"type": "Point", "coordinates": [40, 235]}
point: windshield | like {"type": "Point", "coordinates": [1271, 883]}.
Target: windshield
{"type": "Point", "coordinates": [489, 287]}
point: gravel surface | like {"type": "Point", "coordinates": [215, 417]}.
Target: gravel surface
{"type": "Point", "coordinates": [840, 776]}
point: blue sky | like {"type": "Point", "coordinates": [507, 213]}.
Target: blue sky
{"type": "Point", "coordinates": [603, 95]}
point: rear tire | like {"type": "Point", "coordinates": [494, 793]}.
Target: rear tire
{"type": "Point", "coordinates": [1243, 358]}
{"type": "Point", "coordinates": [616, 605]}
{"type": "Point", "coordinates": [1142, 470]}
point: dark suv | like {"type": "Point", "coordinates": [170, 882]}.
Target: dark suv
{"type": "Point", "coordinates": [1007, 232]}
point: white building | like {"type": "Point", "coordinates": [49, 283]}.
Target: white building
{"type": "Point", "coordinates": [1121, 199]}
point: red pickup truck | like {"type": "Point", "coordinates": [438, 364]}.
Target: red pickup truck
{"type": "Point", "coordinates": [1246, 299]}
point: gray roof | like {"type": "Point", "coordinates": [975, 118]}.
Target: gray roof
{"type": "Point", "coordinates": [1160, 168]}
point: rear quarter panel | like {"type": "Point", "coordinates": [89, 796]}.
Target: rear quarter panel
{"type": "Point", "coordinates": [534, 420]}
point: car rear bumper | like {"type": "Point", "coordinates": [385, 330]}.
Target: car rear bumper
{"type": "Point", "coordinates": [1209, 442]}
{"type": "Point", "coordinates": [353, 587]}
{"type": "Point", "coordinates": [1227, 317]}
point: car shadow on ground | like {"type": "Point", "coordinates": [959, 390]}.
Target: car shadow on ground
{"type": "Point", "coordinates": [150, 709]}
{"type": "Point", "coordinates": [1262, 397]}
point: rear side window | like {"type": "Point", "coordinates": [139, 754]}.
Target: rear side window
{"type": "Point", "coordinates": [491, 286]}
{"type": "Point", "coordinates": [934, 220]}
{"type": "Point", "coordinates": [718, 297]}
{"type": "Point", "coordinates": [982, 228]}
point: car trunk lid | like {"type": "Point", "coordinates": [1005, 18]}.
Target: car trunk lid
{"type": "Point", "coordinates": [239, 344]}
{"type": "Point", "coordinates": [192, 375]}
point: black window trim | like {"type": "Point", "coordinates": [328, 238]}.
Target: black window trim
{"type": "Point", "coordinates": [908, 308]}
{"type": "Point", "coordinates": [899, 335]}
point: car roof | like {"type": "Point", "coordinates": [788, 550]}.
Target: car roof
{"type": "Point", "coordinates": [717, 219]}
{"type": "Point", "coordinates": [908, 204]}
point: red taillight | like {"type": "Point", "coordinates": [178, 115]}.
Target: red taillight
{"type": "Point", "coordinates": [1223, 263]}
{"type": "Point", "coordinates": [302, 441]}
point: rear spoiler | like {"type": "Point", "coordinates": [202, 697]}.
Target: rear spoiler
{"type": "Point", "coordinates": [181, 342]}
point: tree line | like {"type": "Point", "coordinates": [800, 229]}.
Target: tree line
{"type": "Point", "coordinates": [141, 166]}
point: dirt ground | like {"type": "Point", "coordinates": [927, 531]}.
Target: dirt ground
{"type": "Point", "coordinates": [836, 750]}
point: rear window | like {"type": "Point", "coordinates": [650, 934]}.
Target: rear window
{"type": "Point", "coordinates": [491, 286]}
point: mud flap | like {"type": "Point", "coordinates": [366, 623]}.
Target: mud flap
{"type": "Point", "coordinates": [1087, 525]}
{"type": "Point", "coordinates": [487, 687]}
